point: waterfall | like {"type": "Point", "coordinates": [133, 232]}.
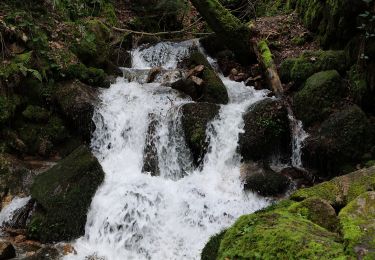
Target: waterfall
{"type": "Point", "coordinates": [171, 216]}
{"type": "Point", "coordinates": [298, 137]}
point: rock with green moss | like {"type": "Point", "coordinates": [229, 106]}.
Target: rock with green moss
{"type": "Point", "coordinates": [279, 234]}
{"type": "Point", "coordinates": [76, 101]}
{"type": "Point", "coordinates": [92, 48]}
{"type": "Point", "coordinates": [228, 28]}
{"type": "Point", "coordinates": [340, 190]}
{"type": "Point", "coordinates": [299, 69]}
{"type": "Point", "coordinates": [266, 54]}
{"type": "Point", "coordinates": [318, 211]}
{"type": "Point", "coordinates": [36, 114]}
{"type": "Point", "coordinates": [213, 89]}
{"type": "Point", "coordinates": [357, 222]}
{"type": "Point", "coordinates": [195, 118]}
{"type": "Point", "coordinates": [211, 249]}
{"type": "Point", "coordinates": [63, 195]}
{"type": "Point", "coordinates": [306, 226]}
{"type": "Point", "coordinates": [316, 100]}
{"type": "Point", "coordinates": [88, 75]}
{"type": "Point", "coordinates": [334, 21]}
{"type": "Point", "coordinates": [340, 141]}
{"type": "Point", "coordinates": [266, 130]}
{"type": "Point", "coordinates": [8, 105]}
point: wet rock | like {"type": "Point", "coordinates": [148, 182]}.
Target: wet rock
{"type": "Point", "coordinates": [317, 99]}
{"type": "Point", "coordinates": [263, 180]}
{"type": "Point", "coordinates": [301, 68]}
{"type": "Point", "coordinates": [301, 177]}
{"type": "Point", "coordinates": [154, 72]}
{"type": "Point", "coordinates": [195, 117]}
{"type": "Point", "coordinates": [76, 101]}
{"type": "Point", "coordinates": [266, 130]}
{"type": "Point", "coordinates": [7, 250]}
{"type": "Point", "coordinates": [150, 153]}
{"type": "Point", "coordinates": [63, 195]}
{"type": "Point", "coordinates": [45, 253]}
{"type": "Point", "coordinates": [340, 141]}
{"type": "Point", "coordinates": [188, 87]}
{"type": "Point", "coordinates": [20, 217]}
{"type": "Point", "coordinates": [357, 221]}
{"type": "Point", "coordinates": [213, 89]}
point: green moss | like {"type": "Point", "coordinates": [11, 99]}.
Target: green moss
{"type": "Point", "coordinates": [298, 41]}
{"type": "Point", "coordinates": [265, 53]}
{"type": "Point", "coordinates": [272, 7]}
{"type": "Point", "coordinates": [318, 211]}
{"type": "Point", "coordinates": [64, 194]}
{"type": "Point", "coordinates": [315, 100]}
{"type": "Point", "coordinates": [357, 85]}
{"type": "Point", "coordinates": [8, 105]}
{"type": "Point", "coordinates": [299, 69]}
{"type": "Point", "coordinates": [91, 76]}
{"type": "Point", "coordinates": [211, 249]}
{"type": "Point", "coordinates": [229, 28]}
{"type": "Point", "coordinates": [36, 113]}
{"type": "Point", "coordinates": [340, 190]}
{"type": "Point", "coordinates": [358, 229]}
{"type": "Point", "coordinates": [278, 235]}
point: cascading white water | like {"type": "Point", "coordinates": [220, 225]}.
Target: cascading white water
{"type": "Point", "coordinates": [299, 135]}
{"type": "Point", "coordinates": [8, 211]}
{"type": "Point", "coordinates": [136, 216]}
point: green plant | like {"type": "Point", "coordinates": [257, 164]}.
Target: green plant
{"type": "Point", "coordinates": [367, 28]}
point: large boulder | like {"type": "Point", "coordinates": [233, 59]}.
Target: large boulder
{"type": "Point", "coordinates": [76, 101]}
{"type": "Point", "coordinates": [340, 142]}
{"type": "Point", "coordinates": [357, 221]}
{"type": "Point", "coordinates": [212, 89]}
{"type": "Point", "coordinates": [278, 234]}
{"type": "Point", "coordinates": [266, 130]}
{"type": "Point", "coordinates": [317, 99]}
{"type": "Point", "coordinates": [306, 226]}
{"type": "Point", "coordinates": [63, 195]}
{"type": "Point", "coordinates": [339, 191]}
{"type": "Point", "coordinates": [263, 180]}
{"type": "Point", "coordinates": [300, 68]}
{"type": "Point", "coordinates": [195, 118]}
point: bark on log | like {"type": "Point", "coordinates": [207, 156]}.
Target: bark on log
{"type": "Point", "coordinates": [234, 34]}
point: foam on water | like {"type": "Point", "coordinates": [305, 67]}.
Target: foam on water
{"type": "Point", "coordinates": [8, 211]}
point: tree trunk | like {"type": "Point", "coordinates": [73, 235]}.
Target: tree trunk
{"type": "Point", "coordinates": [234, 34]}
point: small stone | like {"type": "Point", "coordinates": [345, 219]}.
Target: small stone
{"type": "Point", "coordinates": [197, 81]}
{"type": "Point", "coordinates": [195, 71]}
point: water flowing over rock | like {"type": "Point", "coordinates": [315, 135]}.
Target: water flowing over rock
{"type": "Point", "coordinates": [135, 215]}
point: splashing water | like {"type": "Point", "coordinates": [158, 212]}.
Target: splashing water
{"type": "Point", "coordinates": [8, 211]}
{"type": "Point", "coordinates": [136, 216]}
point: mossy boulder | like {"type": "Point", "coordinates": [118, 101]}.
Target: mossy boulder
{"type": "Point", "coordinates": [266, 130]}
{"type": "Point", "coordinates": [339, 191]}
{"type": "Point", "coordinates": [76, 101]}
{"type": "Point", "coordinates": [341, 140]}
{"type": "Point", "coordinates": [301, 68]}
{"type": "Point", "coordinates": [263, 180]}
{"type": "Point", "coordinates": [279, 234]}
{"type": "Point", "coordinates": [63, 195]}
{"type": "Point", "coordinates": [357, 222]}
{"type": "Point", "coordinates": [36, 114]}
{"type": "Point", "coordinates": [316, 100]}
{"type": "Point", "coordinates": [92, 44]}
{"type": "Point", "coordinates": [213, 89]}
{"type": "Point", "coordinates": [8, 106]}
{"type": "Point", "coordinates": [89, 75]}
{"type": "Point", "coordinates": [40, 138]}
{"type": "Point", "coordinates": [195, 118]}
{"type": "Point", "coordinates": [318, 211]}
{"type": "Point", "coordinates": [306, 226]}
{"type": "Point", "coordinates": [334, 21]}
